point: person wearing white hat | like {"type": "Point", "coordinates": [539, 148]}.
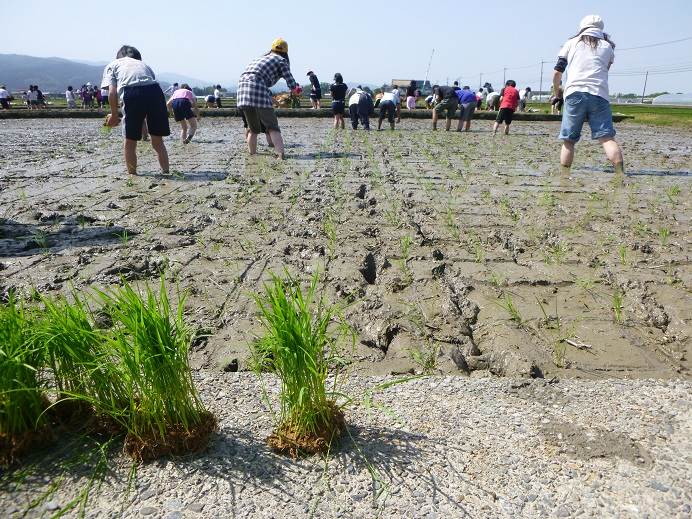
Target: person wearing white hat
{"type": "Point", "coordinates": [587, 57]}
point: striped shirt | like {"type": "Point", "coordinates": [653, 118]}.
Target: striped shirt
{"type": "Point", "coordinates": [259, 76]}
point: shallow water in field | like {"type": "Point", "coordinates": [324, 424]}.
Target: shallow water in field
{"type": "Point", "coordinates": [459, 253]}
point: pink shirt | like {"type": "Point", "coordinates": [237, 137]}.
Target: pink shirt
{"type": "Point", "coordinates": [183, 93]}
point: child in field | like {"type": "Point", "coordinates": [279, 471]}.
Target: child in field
{"type": "Point", "coordinates": [447, 103]}
{"type": "Point", "coordinates": [134, 83]}
{"type": "Point", "coordinates": [70, 97]}
{"type": "Point", "coordinates": [338, 91]}
{"type": "Point", "coordinates": [217, 96]}
{"type": "Point", "coordinates": [185, 111]}
{"type": "Point", "coordinates": [467, 102]}
{"type": "Point", "coordinates": [588, 55]}
{"type": "Point", "coordinates": [360, 106]}
{"type": "Point", "coordinates": [390, 107]}
{"type": "Point", "coordinates": [509, 100]}
{"type": "Point", "coordinates": [4, 98]}
{"type": "Point", "coordinates": [316, 91]}
{"type": "Point", "coordinates": [492, 101]}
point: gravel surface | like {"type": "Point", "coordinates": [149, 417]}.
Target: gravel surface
{"type": "Point", "coordinates": [433, 447]}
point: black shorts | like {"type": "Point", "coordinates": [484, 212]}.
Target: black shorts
{"type": "Point", "coordinates": [145, 102]}
{"type": "Point", "coordinates": [388, 110]}
{"type": "Point", "coordinates": [218, 102]}
{"type": "Point", "coordinates": [558, 101]}
{"type": "Point", "coordinates": [338, 107]}
{"type": "Point", "coordinates": [5, 103]}
{"type": "Point", "coordinates": [505, 115]}
{"type": "Point", "coordinates": [182, 109]}
{"type": "Point", "coordinates": [317, 95]}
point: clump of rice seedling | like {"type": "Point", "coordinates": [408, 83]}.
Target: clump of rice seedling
{"type": "Point", "coordinates": [83, 372]}
{"type": "Point", "coordinates": [663, 235]}
{"type": "Point", "coordinates": [23, 423]}
{"type": "Point", "coordinates": [163, 413]}
{"type": "Point", "coordinates": [299, 348]}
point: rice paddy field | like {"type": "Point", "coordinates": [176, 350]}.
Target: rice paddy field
{"type": "Point", "coordinates": [487, 337]}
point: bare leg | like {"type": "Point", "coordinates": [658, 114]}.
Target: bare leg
{"type": "Point", "coordinates": [270, 143]}
{"type": "Point", "coordinates": [566, 157]}
{"type": "Point", "coordinates": [496, 126]}
{"type": "Point", "coordinates": [252, 142]}
{"type": "Point", "coordinates": [183, 130]}
{"type": "Point", "coordinates": [614, 154]}
{"type": "Point", "coordinates": [131, 156]}
{"type": "Point", "coordinates": [160, 149]}
{"type": "Point", "coordinates": [468, 126]}
{"type": "Point", "coordinates": [434, 120]}
{"type": "Point", "coordinates": [506, 129]}
{"type": "Point", "coordinates": [448, 124]}
{"type": "Point", "coordinates": [193, 128]}
{"type": "Point", "coordinates": [343, 123]}
{"type": "Point", "coordinates": [278, 141]}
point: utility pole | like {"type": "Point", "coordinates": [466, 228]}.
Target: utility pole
{"type": "Point", "coordinates": [427, 72]}
{"type": "Point", "coordinates": [480, 81]}
{"type": "Point", "coordinates": [540, 88]}
{"type": "Point", "coordinates": [504, 76]}
{"type": "Point", "coordinates": [646, 78]}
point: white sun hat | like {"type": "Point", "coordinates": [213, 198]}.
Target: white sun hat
{"type": "Point", "coordinates": [592, 21]}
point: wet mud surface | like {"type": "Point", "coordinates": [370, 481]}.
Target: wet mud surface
{"type": "Point", "coordinates": [449, 253]}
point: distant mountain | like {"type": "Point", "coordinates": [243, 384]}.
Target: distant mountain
{"type": "Point", "coordinates": [17, 72]}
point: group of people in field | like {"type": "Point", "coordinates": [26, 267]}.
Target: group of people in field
{"type": "Point", "coordinates": [88, 95]}
{"type": "Point", "coordinates": [588, 55]}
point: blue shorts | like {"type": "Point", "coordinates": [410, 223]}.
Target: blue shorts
{"type": "Point", "coordinates": [182, 109]}
{"type": "Point", "coordinates": [580, 107]}
{"type": "Point", "coordinates": [388, 110]}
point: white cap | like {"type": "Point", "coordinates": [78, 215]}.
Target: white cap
{"type": "Point", "coordinates": [88, 84]}
{"type": "Point", "coordinates": [591, 21]}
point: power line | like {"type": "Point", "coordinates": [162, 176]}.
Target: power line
{"type": "Point", "coordinates": [655, 44]}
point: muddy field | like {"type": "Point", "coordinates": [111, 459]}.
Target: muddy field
{"type": "Point", "coordinates": [449, 253]}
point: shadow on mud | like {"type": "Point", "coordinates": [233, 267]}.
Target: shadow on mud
{"type": "Point", "coordinates": [640, 172]}
{"type": "Point", "coordinates": [21, 239]}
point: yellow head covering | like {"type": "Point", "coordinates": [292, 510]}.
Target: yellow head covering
{"type": "Point", "coordinates": [280, 45]}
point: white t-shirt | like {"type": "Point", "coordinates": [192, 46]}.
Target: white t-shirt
{"type": "Point", "coordinates": [392, 96]}
{"type": "Point", "coordinates": [491, 96]}
{"type": "Point", "coordinates": [217, 93]}
{"type": "Point", "coordinates": [353, 100]}
{"type": "Point", "coordinates": [4, 94]}
{"type": "Point", "coordinates": [32, 95]}
{"type": "Point", "coordinates": [124, 72]}
{"type": "Point", "coordinates": [69, 95]}
{"type": "Point", "coordinates": [587, 68]}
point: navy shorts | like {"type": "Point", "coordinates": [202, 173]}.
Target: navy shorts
{"type": "Point", "coordinates": [388, 110]}
{"type": "Point", "coordinates": [144, 103]}
{"type": "Point", "coordinates": [338, 107]}
{"type": "Point", "coordinates": [316, 95]}
{"type": "Point", "coordinates": [182, 109]}
{"type": "Point", "coordinates": [581, 106]}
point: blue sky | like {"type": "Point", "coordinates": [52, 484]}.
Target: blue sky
{"type": "Point", "coordinates": [366, 42]}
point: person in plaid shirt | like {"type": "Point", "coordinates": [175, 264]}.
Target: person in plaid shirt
{"type": "Point", "coordinates": [254, 96]}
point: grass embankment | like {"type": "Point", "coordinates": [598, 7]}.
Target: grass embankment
{"type": "Point", "coordinates": [680, 116]}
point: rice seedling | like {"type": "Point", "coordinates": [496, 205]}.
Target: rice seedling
{"type": "Point", "coordinates": [426, 358]}
{"type": "Point", "coordinates": [497, 279]}
{"type": "Point", "coordinates": [672, 193]}
{"type": "Point", "coordinates": [299, 347]}
{"type": "Point", "coordinates": [622, 253]}
{"type": "Point", "coordinates": [555, 253]}
{"type": "Point", "coordinates": [163, 413]}
{"type": "Point", "coordinates": [451, 224]}
{"type": "Point", "coordinates": [663, 235]}
{"type": "Point", "coordinates": [406, 243]}
{"type": "Point", "coordinates": [22, 404]}
{"type": "Point", "coordinates": [329, 228]}
{"type": "Point", "coordinates": [507, 304]}
{"type": "Point", "coordinates": [618, 305]}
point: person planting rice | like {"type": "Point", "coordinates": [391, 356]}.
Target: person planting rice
{"type": "Point", "coordinates": [134, 83]}
{"type": "Point", "coordinates": [184, 105]}
{"type": "Point", "coordinates": [254, 96]}
{"type": "Point", "coordinates": [492, 101]}
{"type": "Point", "coordinates": [588, 55]}
{"type": "Point", "coordinates": [390, 106]}
{"type": "Point", "coordinates": [5, 98]}
{"type": "Point", "coordinates": [316, 90]}
{"type": "Point", "coordinates": [262, 128]}
{"type": "Point", "coordinates": [360, 106]}
{"type": "Point", "coordinates": [338, 90]}
{"type": "Point", "coordinates": [209, 101]}
{"type": "Point", "coordinates": [447, 103]}
{"type": "Point", "coordinates": [509, 100]}
{"type": "Point", "coordinates": [468, 101]}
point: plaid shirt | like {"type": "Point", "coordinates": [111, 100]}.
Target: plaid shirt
{"type": "Point", "coordinates": [262, 73]}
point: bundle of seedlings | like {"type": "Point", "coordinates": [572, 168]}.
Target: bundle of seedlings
{"type": "Point", "coordinates": [299, 347]}
{"type": "Point", "coordinates": [163, 413]}
{"type": "Point", "coordinates": [23, 422]}
{"type": "Point", "coordinates": [88, 383]}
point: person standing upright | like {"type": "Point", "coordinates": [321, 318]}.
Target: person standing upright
{"type": "Point", "coordinates": [316, 91]}
{"type": "Point", "coordinates": [587, 57]}
{"type": "Point", "coordinates": [254, 96]}
{"type": "Point", "coordinates": [338, 90]}
{"type": "Point", "coordinates": [218, 94]}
